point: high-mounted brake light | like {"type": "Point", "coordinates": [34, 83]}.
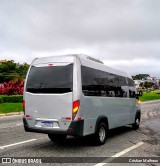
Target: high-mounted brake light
{"type": "Point", "coordinates": [50, 64]}
{"type": "Point", "coordinates": [76, 105]}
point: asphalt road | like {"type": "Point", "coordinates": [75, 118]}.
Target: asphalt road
{"type": "Point", "coordinates": [122, 142]}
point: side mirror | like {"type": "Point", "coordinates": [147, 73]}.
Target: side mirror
{"type": "Point", "coordinates": [140, 93]}
{"type": "Point", "coordinates": [137, 96]}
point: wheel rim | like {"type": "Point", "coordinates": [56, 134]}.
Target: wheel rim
{"type": "Point", "coordinates": [137, 122]}
{"type": "Point", "coordinates": [102, 134]}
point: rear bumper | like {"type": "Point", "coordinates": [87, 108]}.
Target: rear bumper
{"type": "Point", "coordinates": [75, 129]}
{"type": "Point", "coordinates": [27, 128]}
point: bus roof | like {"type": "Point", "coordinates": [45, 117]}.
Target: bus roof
{"type": "Point", "coordinates": [85, 60]}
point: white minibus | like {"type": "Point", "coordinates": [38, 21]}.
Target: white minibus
{"type": "Point", "coordinates": [78, 95]}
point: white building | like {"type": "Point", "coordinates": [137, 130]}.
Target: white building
{"type": "Point", "coordinates": [137, 83]}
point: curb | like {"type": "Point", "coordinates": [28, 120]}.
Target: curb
{"type": "Point", "coordinates": [12, 113]}
{"type": "Point", "coordinates": [151, 101]}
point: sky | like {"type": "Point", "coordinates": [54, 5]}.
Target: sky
{"type": "Point", "coordinates": [124, 34]}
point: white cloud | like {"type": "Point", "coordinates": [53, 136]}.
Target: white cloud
{"type": "Point", "coordinates": [136, 66]}
{"type": "Point", "coordinates": [117, 31]}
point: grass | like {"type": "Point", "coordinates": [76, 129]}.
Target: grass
{"type": "Point", "coordinates": [17, 107]}
{"type": "Point", "coordinates": [153, 95]}
{"type": "Point", "coordinates": [10, 107]}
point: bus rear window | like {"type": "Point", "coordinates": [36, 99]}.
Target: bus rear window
{"type": "Point", "coordinates": [50, 79]}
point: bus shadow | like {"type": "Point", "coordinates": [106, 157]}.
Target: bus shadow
{"type": "Point", "coordinates": [89, 141]}
{"type": "Point", "coordinates": [119, 131]}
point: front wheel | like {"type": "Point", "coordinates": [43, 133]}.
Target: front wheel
{"type": "Point", "coordinates": [57, 138]}
{"type": "Point", "coordinates": [101, 134]}
{"type": "Point", "coordinates": [136, 124]}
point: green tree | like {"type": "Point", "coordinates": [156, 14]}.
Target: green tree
{"type": "Point", "coordinates": [140, 76]}
{"type": "Point", "coordinates": [141, 84]}
{"type": "Point", "coordinates": [11, 71]}
{"type": "Point", "coordinates": [7, 71]}
{"type": "Point", "coordinates": [148, 84]}
{"type": "Point", "coordinates": [22, 70]}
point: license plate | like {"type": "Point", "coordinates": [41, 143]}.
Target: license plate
{"type": "Point", "coordinates": [47, 124]}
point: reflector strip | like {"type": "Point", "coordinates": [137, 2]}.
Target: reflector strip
{"type": "Point", "coordinates": [68, 118]}
{"type": "Point", "coordinates": [23, 103]}
{"type": "Point", "coordinates": [27, 116]}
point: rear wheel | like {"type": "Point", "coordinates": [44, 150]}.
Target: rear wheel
{"type": "Point", "coordinates": [57, 138]}
{"type": "Point", "coordinates": [101, 134]}
{"type": "Point", "coordinates": [136, 124]}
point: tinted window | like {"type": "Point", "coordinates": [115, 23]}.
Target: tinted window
{"type": "Point", "coordinates": [132, 91]}
{"type": "Point", "coordinates": [100, 83]}
{"type": "Point", "coordinates": [50, 79]}
{"type": "Point", "coordinates": [130, 82]}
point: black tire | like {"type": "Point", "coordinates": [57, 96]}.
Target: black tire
{"type": "Point", "coordinates": [57, 138]}
{"type": "Point", "coordinates": [101, 134]}
{"type": "Point", "coordinates": [136, 123]}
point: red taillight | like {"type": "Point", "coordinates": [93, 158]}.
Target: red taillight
{"type": "Point", "coordinates": [76, 105]}
{"type": "Point", "coordinates": [24, 105]}
{"type": "Point", "coordinates": [27, 116]}
{"type": "Point", "coordinates": [79, 118]}
{"type": "Point", "coordinates": [68, 118]}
